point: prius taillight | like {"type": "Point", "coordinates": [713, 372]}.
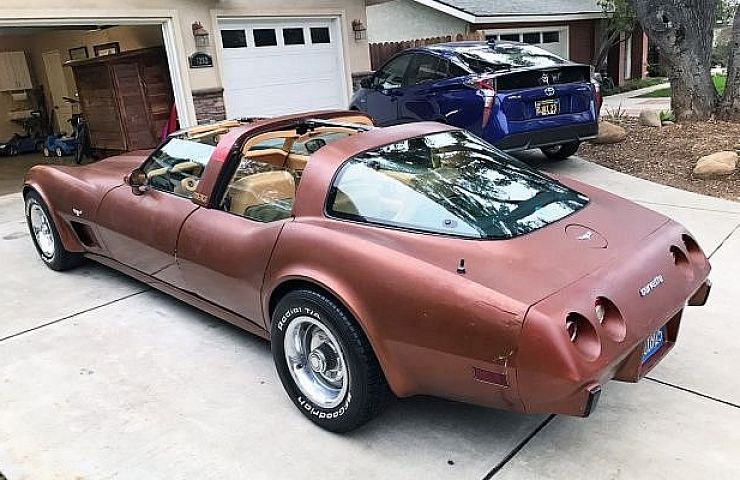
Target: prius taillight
{"type": "Point", "coordinates": [487, 90]}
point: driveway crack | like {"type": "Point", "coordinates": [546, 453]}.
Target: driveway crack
{"type": "Point", "coordinates": [725, 240]}
{"type": "Point", "coordinates": [694, 392]}
{"type": "Point", "coordinates": [96, 307]}
{"type": "Point", "coordinates": [518, 448]}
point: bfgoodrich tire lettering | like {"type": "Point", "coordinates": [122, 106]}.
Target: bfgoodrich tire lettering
{"type": "Point", "coordinates": [50, 249]}
{"type": "Point", "coordinates": [337, 383]}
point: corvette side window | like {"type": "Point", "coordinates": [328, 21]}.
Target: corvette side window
{"type": "Point", "coordinates": [392, 74]}
{"type": "Point", "coordinates": [260, 191]}
{"type": "Point", "coordinates": [178, 165]}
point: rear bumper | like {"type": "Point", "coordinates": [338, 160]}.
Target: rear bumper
{"type": "Point", "coordinates": [551, 136]}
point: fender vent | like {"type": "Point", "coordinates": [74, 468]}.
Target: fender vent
{"type": "Point", "coordinates": [84, 234]}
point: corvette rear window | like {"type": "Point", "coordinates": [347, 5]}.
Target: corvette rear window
{"type": "Point", "coordinates": [449, 183]}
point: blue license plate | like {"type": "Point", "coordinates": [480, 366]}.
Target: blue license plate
{"type": "Point", "coordinates": [652, 344]}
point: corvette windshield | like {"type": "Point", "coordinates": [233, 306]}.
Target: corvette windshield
{"type": "Point", "coordinates": [449, 183]}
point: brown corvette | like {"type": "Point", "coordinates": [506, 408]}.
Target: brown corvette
{"type": "Point", "coordinates": [414, 259]}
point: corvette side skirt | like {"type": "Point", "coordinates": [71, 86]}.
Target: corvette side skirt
{"type": "Point", "coordinates": [194, 300]}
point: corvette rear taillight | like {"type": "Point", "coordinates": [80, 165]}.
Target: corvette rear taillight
{"type": "Point", "coordinates": [487, 90]}
{"type": "Point", "coordinates": [693, 249]}
{"type": "Point", "coordinates": [571, 326]}
{"type": "Point", "coordinates": [610, 319]}
{"type": "Point", "coordinates": [583, 335]}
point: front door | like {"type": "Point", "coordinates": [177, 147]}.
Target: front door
{"type": "Point", "coordinates": [223, 253]}
{"type": "Point", "coordinates": [57, 85]}
{"type": "Point", "coordinates": [141, 230]}
{"type": "Point", "coordinates": [387, 86]}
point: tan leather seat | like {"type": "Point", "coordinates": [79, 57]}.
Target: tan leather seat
{"type": "Point", "coordinates": [260, 189]}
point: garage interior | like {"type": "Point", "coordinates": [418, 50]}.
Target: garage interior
{"type": "Point", "coordinates": [116, 76]}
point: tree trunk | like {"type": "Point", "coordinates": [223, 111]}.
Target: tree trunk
{"type": "Point", "coordinates": [729, 105]}
{"type": "Point", "coordinates": [608, 40]}
{"type": "Point", "coordinates": [682, 31]}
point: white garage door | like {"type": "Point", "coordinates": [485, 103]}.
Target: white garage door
{"type": "Point", "coordinates": [552, 39]}
{"type": "Point", "coordinates": [275, 67]}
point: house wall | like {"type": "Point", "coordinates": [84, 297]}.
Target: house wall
{"type": "Point", "coordinates": [581, 35]}
{"type": "Point", "coordinates": [402, 20]}
{"type": "Point", "coordinates": [185, 12]}
{"type": "Point", "coordinates": [36, 44]}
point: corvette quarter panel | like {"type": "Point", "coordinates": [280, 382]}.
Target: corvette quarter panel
{"type": "Point", "coordinates": [428, 340]}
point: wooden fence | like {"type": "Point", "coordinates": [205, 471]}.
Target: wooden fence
{"type": "Point", "coordinates": [382, 52]}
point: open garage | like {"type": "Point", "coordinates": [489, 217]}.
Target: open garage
{"type": "Point", "coordinates": [104, 87]}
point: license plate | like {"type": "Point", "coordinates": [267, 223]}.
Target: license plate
{"type": "Point", "coordinates": [545, 108]}
{"type": "Point", "coordinates": [653, 344]}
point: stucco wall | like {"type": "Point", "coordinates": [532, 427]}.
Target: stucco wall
{"type": "Point", "coordinates": [185, 12]}
{"type": "Point", "coordinates": [401, 20]}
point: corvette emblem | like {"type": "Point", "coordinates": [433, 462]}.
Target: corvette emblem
{"type": "Point", "coordinates": [586, 236]}
{"type": "Point", "coordinates": [652, 285]}
{"type": "Point", "coordinates": [549, 91]}
{"type": "Point", "coordinates": [78, 213]}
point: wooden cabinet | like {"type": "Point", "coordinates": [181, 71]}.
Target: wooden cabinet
{"type": "Point", "coordinates": [125, 98]}
{"type": "Point", "coordinates": [14, 73]}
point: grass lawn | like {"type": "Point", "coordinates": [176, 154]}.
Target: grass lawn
{"type": "Point", "coordinates": [719, 84]}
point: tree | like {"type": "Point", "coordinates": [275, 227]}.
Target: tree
{"type": "Point", "coordinates": [618, 25]}
{"type": "Point", "coordinates": [682, 32]}
{"type": "Point", "coordinates": [729, 105]}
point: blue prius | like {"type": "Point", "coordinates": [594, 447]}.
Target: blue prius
{"type": "Point", "coordinates": [516, 96]}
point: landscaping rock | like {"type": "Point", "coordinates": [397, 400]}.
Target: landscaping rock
{"type": "Point", "coordinates": [650, 118]}
{"type": "Point", "coordinates": [718, 164]}
{"type": "Point", "coordinates": [610, 133]}
{"type": "Point", "coordinates": [668, 123]}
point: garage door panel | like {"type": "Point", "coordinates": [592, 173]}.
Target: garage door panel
{"type": "Point", "coordinates": [277, 101]}
{"type": "Point", "coordinates": [279, 79]}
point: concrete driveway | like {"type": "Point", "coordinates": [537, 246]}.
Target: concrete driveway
{"type": "Point", "coordinates": [102, 378]}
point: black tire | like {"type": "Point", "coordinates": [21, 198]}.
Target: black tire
{"type": "Point", "coordinates": [367, 390]}
{"type": "Point", "coordinates": [561, 152]}
{"type": "Point", "coordinates": [81, 150]}
{"type": "Point", "coordinates": [60, 259]}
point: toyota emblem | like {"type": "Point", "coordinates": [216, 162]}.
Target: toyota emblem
{"type": "Point", "coordinates": [549, 91]}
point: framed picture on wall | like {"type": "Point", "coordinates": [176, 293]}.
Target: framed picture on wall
{"type": "Point", "coordinates": [79, 53]}
{"type": "Point", "coordinates": [107, 49]}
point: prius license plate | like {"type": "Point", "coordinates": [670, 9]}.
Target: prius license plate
{"type": "Point", "coordinates": [652, 344]}
{"type": "Point", "coordinates": [545, 108]}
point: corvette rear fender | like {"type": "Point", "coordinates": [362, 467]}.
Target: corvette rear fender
{"type": "Point", "coordinates": [290, 278]}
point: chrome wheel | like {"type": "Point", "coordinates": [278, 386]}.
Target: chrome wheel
{"type": "Point", "coordinates": [42, 230]}
{"type": "Point", "coordinates": [316, 362]}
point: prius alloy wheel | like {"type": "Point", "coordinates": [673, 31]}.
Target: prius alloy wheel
{"type": "Point", "coordinates": [46, 236]}
{"type": "Point", "coordinates": [325, 363]}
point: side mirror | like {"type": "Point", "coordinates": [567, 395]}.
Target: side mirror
{"type": "Point", "coordinates": [367, 82]}
{"type": "Point", "coordinates": [138, 181]}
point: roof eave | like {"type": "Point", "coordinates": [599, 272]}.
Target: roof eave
{"type": "Point", "coordinates": [508, 17]}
